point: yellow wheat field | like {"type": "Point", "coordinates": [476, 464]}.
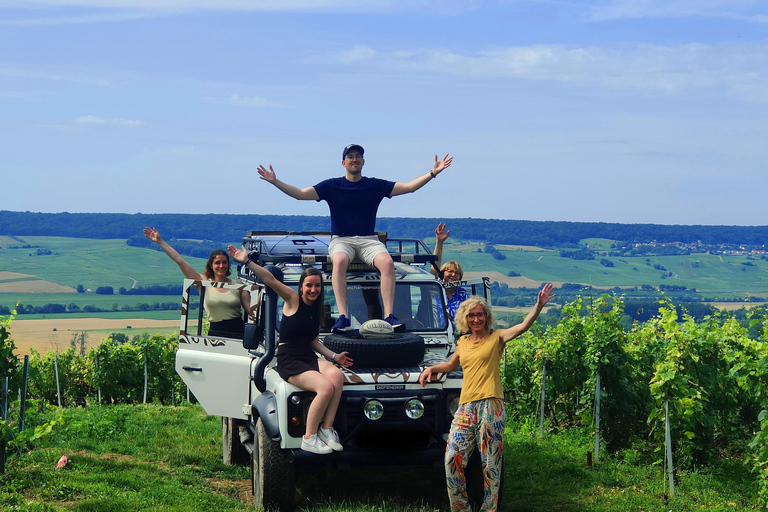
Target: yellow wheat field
{"type": "Point", "coordinates": [41, 334]}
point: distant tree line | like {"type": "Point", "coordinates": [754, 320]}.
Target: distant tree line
{"type": "Point", "coordinates": [223, 228]}
{"type": "Point", "coordinates": [494, 252]}
{"type": "Point", "coordinates": [580, 254]}
{"type": "Point", "coordinates": [49, 309]}
{"type": "Point", "coordinates": [185, 247]}
{"type": "Point", "coordinates": [155, 289]}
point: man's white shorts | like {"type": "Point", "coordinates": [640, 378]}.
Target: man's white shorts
{"type": "Point", "coordinates": [364, 247]}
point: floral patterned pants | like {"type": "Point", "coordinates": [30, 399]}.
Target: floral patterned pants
{"type": "Point", "coordinates": [479, 423]}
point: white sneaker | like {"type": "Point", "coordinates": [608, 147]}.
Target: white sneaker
{"type": "Point", "coordinates": [330, 437]}
{"type": "Point", "coordinates": [315, 445]}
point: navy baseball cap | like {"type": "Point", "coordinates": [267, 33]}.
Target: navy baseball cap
{"type": "Point", "coordinates": [349, 148]}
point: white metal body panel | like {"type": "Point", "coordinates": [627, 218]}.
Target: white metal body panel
{"type": "Point", "coordinates": [218, 372]}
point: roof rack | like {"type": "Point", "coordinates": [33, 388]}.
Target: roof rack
{"type": "Point", "coordinates": [311, 248]}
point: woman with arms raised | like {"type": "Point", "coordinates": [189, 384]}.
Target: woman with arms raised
{"type": "Point", "coordinates": [223, 305]}
{"type": "Point", "coordinates": [297, 362]}
{"type": "Point", "coordinates": [479, 420]}
{"type": "Point", "coordinates": [450, 272]}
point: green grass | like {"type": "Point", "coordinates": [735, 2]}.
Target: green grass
{"type": "Point", "coordinates": [598, 244]}
{"type": "Point", "coordinates": [153, 458]}
{"type": "Point", "coordinates": [126, 458]}
{"type": "Point", "coordinates": [83, 299]}
{"type": "Point", "coordinates": [707, 273]}
{"type": "Point", "coordinates": [552, 474]}
{"type": "Point", "coordinates": [93, 263]}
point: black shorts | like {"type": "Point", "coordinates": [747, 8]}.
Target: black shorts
{"type": "Point", "coordinates": [293, 360]}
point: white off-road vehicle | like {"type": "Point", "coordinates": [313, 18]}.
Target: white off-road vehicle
{"type": "Point", "coordinates": [385, 418]}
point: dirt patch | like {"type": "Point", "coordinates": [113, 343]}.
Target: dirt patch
{"type": "Point", "coordinates": [25, 283]}
{"type": "Point", "coordinates": [238, 489]}
{"type": "Point", "coordinates": [41, 334]}
{"type": "Point", "coordinates": [34, 286]}
{"type": "Point", "coordinates": [5, 275]}
{"type": "Point", "coordinates": [733, 306]}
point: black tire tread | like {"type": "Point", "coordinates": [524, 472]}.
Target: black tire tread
{"type": "Point", "coordinates": [272, 474]}
{"type": "Point", "coordinates": [400, 349]}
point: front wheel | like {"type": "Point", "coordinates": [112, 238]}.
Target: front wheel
{"type": "Point", "coordinates": [272, 474]}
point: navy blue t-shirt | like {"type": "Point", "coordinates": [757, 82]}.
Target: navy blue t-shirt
{"type": "Point", "coordinates": [353, 204]}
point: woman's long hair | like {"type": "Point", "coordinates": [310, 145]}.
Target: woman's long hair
{"type": "Point", "coordinates": [317, 307]}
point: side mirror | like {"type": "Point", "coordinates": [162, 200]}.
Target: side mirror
{"type": "Point", "coordinates": [252, 336]}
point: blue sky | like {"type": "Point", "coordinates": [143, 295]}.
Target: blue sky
{"type": "Point", "coordinates": [635, 111]}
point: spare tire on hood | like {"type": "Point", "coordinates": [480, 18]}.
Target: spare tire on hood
{"type": "Point", "coordinates": [397, 350]}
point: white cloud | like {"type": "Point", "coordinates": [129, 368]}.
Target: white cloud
{"type": "Point", "coordinates": [49, 12]}
{"type": "Point", "coordinates": [745, 10]}
{"type": "Point", "coordinates": [109, 121]}
{"type": "Point", "coordinates": [53, 76]}
{"type": "Point", "coordinates": [742, 70]}
{"type": "Point", "coordinates": [358, 53]}
{"type": "Point", "coordinates": [73, 20]}
{"type": "Point", "coordinates": [181, 5]}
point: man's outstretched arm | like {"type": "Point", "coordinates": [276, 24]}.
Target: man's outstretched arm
{"type": "Point", "coordinates": [308, 193]}
{"type": "Point", "coordinates": [414, 185]}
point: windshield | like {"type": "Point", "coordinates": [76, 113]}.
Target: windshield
{"type": "Point", "coordinates": [419, 306]}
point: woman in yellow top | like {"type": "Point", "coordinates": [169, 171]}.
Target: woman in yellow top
{"type": "Point", "coordinates": [223, 305]}
{"type": "Point", "coordinates": [479, 420]}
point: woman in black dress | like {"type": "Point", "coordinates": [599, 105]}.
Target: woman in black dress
{"type": "Point", "coordinates": [297, 361]}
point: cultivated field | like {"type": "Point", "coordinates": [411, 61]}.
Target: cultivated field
{"type": "Point", "coordinates": [92, 263]}
{"type": "Point", "coordinates": [728, 275]}
{"type": "Point", "coordinates": [11, 282]}
{"type": "Point", "coordinates": [55, 334]}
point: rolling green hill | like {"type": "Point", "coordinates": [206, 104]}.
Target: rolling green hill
{"type": "Point", "coordinates": [93, 263]}
{"type": "Point", "coordinates": [707, 273]}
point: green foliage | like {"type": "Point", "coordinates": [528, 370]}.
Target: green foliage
{"type": "Point", "coordinates": [116, 367]}
{"type": "Point", "coordinates": [714, 376]}
{"type": "Point", "coordinates": [751, 370]}
{"type": "Point", "coordinates": [574, 351]}
{"type": "Point", "coordinates": [9, 362]}
{"type": "Point", "coordinates": [121, 369]}
{"type": "Point", "coordinates": [696, 370]}
{"type": "Point", "coordinates": [74, 374]}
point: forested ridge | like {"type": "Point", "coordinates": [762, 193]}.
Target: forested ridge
{"type": "Point", "coordinates": [224, 228]}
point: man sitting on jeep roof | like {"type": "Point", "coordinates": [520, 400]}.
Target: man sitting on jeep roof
{"type": "Point", "coordinates": [353, 201]}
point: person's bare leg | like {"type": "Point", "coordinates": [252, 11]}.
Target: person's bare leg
{"type": "Point", "coordinates": [339, 281]}
{"type": "Point", "coordinates": [324, 389]}
{"type": "Point", "coordinates": [383, 262]}
{"type": "Point", "coordinates": [335, 377]}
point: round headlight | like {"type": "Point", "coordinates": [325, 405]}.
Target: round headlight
{"type": "Point", "coordinates": [295, 400]}
{"type": "Point", "coordinates": [414, 409]}
{"type": "Point", "coordinates": [373, 410]}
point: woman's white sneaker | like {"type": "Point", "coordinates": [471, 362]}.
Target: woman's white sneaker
{"type": "Point", "coordinates": [315, 445]}
{"type": "Point", "coordinates": [330, 438]}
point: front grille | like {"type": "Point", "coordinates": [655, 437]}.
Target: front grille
{"type": "Point", "coordinates": [394, 430]}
